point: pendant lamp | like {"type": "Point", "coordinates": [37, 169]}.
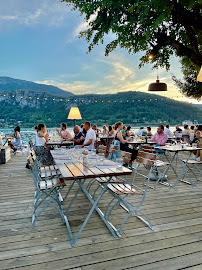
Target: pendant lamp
{"type": "Point", "coordinates": [157, 86]}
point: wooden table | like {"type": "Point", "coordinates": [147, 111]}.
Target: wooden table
{"type": "Point", "coordinates": [60, 143]}
{"type": "Point", "coordinates": [79, 173]}
{"type": "Point", "coordinates": [176, 149]}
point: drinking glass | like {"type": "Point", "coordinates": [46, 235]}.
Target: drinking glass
{"type": "Point", "coordinates": [119, 162]}
{"type": "Point", "coordinates": [194, 145]}
{"type": "Point", "coordinates": [101, 156]}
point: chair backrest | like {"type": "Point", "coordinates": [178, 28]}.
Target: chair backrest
{"type": "Point", "coordinates": [146, 158]}
{"type": "Point", "coordinates": [115, 155]}
{"type": "Point", "coordinates": [126, 156]}
{"type": "Point", "coordinates": [148, 148]}
{"type": "Point", "coordinates": [113, 149]}
{"type": "Point", "coordinates": [102, 149]}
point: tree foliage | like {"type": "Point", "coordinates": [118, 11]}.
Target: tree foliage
{"type": "Point", "coordinates": [158, 28]}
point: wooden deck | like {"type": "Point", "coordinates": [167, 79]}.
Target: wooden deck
{"type": "Point", "coordinates": [176, 243]}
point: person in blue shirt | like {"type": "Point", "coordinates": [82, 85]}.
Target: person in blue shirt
{"type": "Point", "coordinates": [78, 136]}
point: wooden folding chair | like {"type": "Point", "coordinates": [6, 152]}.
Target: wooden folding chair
{"type": "Point", "coordinates": [122, 192]}
{"type": "Point", "coordinates": [156, 175]}
{"type": "Point", "coordinates": [46, 193]}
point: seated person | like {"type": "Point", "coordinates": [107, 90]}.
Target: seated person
{"type": "Point", "coordinates": [128, 132]}
{"type": "Point", "coordinates": [17, 142]}
{"type": "Point", "coordinates": [96, 130]}
{"type": "Point", "coordinates": [196, 154]}
{"type": "Point", "coordinates": [42, 152]}
{"type": "Point", "coordinates": [90, 136]}
{"type": "Point", "coordinates": [105, 130]}
{"type": "Point", "coordinates": [78, 136]}
{"type": "Point", "coordinates": [64, 133]}
{"type": "Point", "coordinates": [123, 143]}
{"type": "Point", "coordinates": [160, 137]}
{"type": "Point", "coordinates": [141, 132]}
{"type": "Point", "coordinates": [149, 134]}
{"type": "Point", "coordinates": [167, 131]}
{"type": "Point", "coordinates": [111, 131]}
{"type": "Point", "coordinates": [186, 134]}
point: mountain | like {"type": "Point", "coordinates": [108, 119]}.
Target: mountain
{"type": "Point", "coordinates": [28, 108]}
{"type": "Point", "coordinates": [9, 84]}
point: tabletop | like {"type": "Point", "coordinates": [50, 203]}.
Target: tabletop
{"type": "Point", "coordinates": [176, 148]}
{"type": "Point", "coordinates": [72, 170]}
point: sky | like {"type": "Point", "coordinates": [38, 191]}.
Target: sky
{"type": "Point", "coordinates": [39, 42]}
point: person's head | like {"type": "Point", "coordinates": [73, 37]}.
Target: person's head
{"type": "Point", "coordinates": [128, 128]}
{"type": "Point", "coordinates": [167, 126]}
{"type": "Point", "coordinates": [81, 125]}
{"type": "Point", "coordinates": [176, 126]}
{"type": "Point", "coordinates": [118, 126]}
{"type": "Point", "coordinates": [198, 134]}
{"type": "Point", "coordinates": [185, 126]}
{"type": "Point", "coordinates": [104, 127]}
{"type": "Point", "coordinates": [17, 128]}
{"type": "Point", "coordinates": [149, 128]}
{"type": "Point", "coordinates": [94, 127]}
{"type": "Point", "coordinates": [110, 128]}
{"type": "Point", "coordinates": [76, 129]}
{"type": "Point", "coordinates": [141, 127]}
{"type": "Point", "coordinates": [63, 126]}
{"type": "Point", "coordinates": [41, 127]}
{"type": "Point", "coordinates": [87, 125]}
{"type": "Point", "coordinates": [124, 127]}
{"type": "Point", "coordinates": [192, 127]}
{"type": "Point", "coordinates": [160, 129]}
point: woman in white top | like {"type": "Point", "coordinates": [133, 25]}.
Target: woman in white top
{"type": "Point", "coordinates": [42, 152]}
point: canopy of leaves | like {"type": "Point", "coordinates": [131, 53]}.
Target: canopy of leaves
{"type": "Point", "coordinates": [160, 28]}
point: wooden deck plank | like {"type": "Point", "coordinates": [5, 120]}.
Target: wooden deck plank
{"type": "Point", "coordinates": [175, 213]}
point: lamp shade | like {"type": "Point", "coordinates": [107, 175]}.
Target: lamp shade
{"type": "Point", "coordinates": [74, 113]}
{"type": "Point", "coordinates": [157, 86]}
{"type": "Point", "coordinates": [199, 78]}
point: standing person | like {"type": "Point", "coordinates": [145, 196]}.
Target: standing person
{"type": "Point", "coordinates": [17, 136]}
{"type": "Point", "coordinates": [64, 133]}
{"type": "Point", "coordinates": [124, 143]}
{"type": "Point", "coordinates": [42, 152]}
{"type": "Point", "coordinates": [167, 131]}
{"type": "Point", "coordinates": [160, 137]}
{"type": "Point", "coordinates": [90, 136]}
{"type": "Point", "coordinates": [78, 136]}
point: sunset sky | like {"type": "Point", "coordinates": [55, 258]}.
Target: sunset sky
{"type": "Point", "coordinates": [39, 42]}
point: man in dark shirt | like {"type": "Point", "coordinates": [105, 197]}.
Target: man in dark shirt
{"type": "Point", "coordinates": [78, 136]}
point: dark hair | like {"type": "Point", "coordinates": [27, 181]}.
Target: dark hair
{"type": "Point", "coordinates": [185, 126]}
{"type": "Point", "coordinates": [129, 128]}
{"type": "Point", "coordinates": [149, 128]}
{"type": "Point", "coordinates": [64, 125]}
{"type": "Point", "coordinates": [87, 123]}
{"type": "Point", "coordinates": [161, 126]}
{"type": "Point", "coordinates": [167, 126]}
{"type": "Point", "coordinates": [192, 127]}
{"type": "Point", "coordinates": [81, 125]}
{"type": "Point", "coordinates": [17, 128]}
{"type": "Point", "coordinates": [117, 124]}
{"type": "Point", "coordinates": [39, 127]}
{"type": "Point", "coordinates": [110, 128]}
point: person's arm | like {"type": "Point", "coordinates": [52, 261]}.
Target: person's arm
{"type": "Point", "coordinates": [120, 136]}
{"type": "Point", "coordinates": [59, 132]}
{"type": "Point", "coordinates": [153, 138]}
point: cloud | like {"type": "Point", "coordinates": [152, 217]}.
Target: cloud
{"type": "Point", "coordinates": [84, 25]}
{"type": "Point", "coordinates": [46, 12]}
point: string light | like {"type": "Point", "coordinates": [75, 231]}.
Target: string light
{"type": "Point", "coordinates": [4, 95]}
